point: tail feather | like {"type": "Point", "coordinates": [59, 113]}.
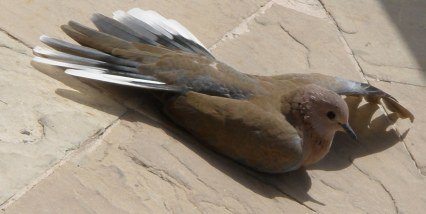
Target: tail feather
{"type": "Point", "coordinates": [137, 25]}
{"type": "Point", "coordinates": [120, 48]}
{"type": "Point", "coordinates": [166, 29]}
{"type": "Point", "coordinates": [94, 39]}
{"type": "Point", "coordinates": [68, 58]}
{"type": "Point", "coordinates": [117, 29]}
{"type": "Point", "coordinates": [86, 52]}
{"type": "Point", "coordinates": [63, 64]}
{"type": "Point", "coordinates": [121, 80]}
{"type": "Point", "coordinates": [120, 30]}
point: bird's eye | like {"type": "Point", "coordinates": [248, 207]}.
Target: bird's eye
{"type": "Point", "coordinates": [331, 115]}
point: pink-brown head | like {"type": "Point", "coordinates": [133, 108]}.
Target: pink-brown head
{"type": "Point", "coordinates": [325, 111]}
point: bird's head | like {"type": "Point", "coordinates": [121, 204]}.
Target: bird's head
{"type": "Point", "coordinates": [325, 111]}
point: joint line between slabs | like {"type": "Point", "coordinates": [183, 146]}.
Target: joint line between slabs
{"type": "Point", "coordinates": [232, 33]}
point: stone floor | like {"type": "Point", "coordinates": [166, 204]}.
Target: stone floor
{"type": "Point", "coordinates": [68, 146]}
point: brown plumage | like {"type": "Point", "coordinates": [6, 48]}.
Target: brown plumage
{"type": "Point", "coordinates": [270, 123]}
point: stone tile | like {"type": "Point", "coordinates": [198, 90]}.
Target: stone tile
{"type": "Point", "coordinates": [387, 37]}
{"type": "Point", "coordinates": [309, 7]}
{"type": "Point", "coordinates": [278, 42]}
{"type": "Point", "coordinates": [38, 126]}
{"type": "Point", "coordinates": [209, 20]}
{"type": "Point", "coordinates": [132, 172]}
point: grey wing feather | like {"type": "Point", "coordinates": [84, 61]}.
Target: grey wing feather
{"type": "Point", "coordinates": [349, 87]}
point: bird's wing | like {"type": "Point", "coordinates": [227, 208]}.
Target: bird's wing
{"type": "Point", "coordinates": [123, 44]}
{"type": "Point", "coordinates": [352, 88]}
{"type": "Point", "coordinates": [239, 129]}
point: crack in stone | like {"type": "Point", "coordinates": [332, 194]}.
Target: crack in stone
{"type": "Point", "coordinates": [11, 49]}
{"type": "Point", "coordinates": [155, 171]}
{"type": "Point", "coordinates": [345, 31]}
{"type": "Point", "coordinates": [392, 81]}
{"type": "Point", "coordinates": [243, 26]}
{"type": "Point", "coordinates": [218, 205]}
{"type": "Point", "coordinates": [308, 57]}
{"type": "Point", "coordinates": [5, 202]}
{"type": "Point", "coordinates": [334, 20]}
{"type": "Point", "coordinates": [163, 175]}
{"type": "Point", "coordinates": [189, 169]}
{"type": "Point", "coordinates": [15, 38]}
{"type": "Point", "coordinates": [43, 130]}
{"type": "Point", "coordinates": [167, 207]}
{"type": "Point", "coordinates": [391, 66]}
{"type": "Point", "coordinates": [1, 101]}
{"type": "Point", "coordinates": [329, 185]}
{"type": "Point", "coordinates": [378, 182]}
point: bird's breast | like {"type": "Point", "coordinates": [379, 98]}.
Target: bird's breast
{"type": "Point", "coordinates": [315, 147]}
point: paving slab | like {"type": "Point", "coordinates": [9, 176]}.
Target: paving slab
{"type": "Point", "coordinates": [387, 37]}
{"type": "Point", "coordinates": [38, 127]}
{"type": "Point", "coordinates": [278, 43]}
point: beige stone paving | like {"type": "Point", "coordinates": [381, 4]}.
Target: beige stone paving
{"type": "Point", "coordinates": [142, 164]}
{"type": "Point", "coordinates": [386, 37]}
{"type": "Point", "coordinates": [39, 127]}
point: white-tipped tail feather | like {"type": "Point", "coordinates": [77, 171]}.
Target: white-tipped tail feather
{"type": "Point", "coordinates": [63, 64]}
{"type": "Point", "coordinates": [100, 75]}
{"type": "Point", "coordinates": [56, 55]}
{"type": "Point", "coordinates": [165, 27]}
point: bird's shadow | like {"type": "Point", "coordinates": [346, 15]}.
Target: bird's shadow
{"type": "Point", "coordinates": [294, 185]}
{"type": "Point", "coordinates": [374, 135]}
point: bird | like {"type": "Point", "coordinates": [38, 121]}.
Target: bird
{"type": "Point", "coordinates": [272, 124]}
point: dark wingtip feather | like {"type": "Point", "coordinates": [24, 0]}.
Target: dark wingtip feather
{"type": "Point", "coordinates": [115, 28]}
{"type": "Point", "coordinates": [394, 106]}
{"type": "Point", "coordinates": [373, 91]}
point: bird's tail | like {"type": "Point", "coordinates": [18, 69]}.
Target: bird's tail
{"type": "Point", "coordinates": [122, 44]}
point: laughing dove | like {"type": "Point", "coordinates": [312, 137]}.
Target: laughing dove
{"type": "Point", "coordinates": [273, 124]}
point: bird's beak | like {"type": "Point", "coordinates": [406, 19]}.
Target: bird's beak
{"type": "Point", "coordinates": [349, 131]}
